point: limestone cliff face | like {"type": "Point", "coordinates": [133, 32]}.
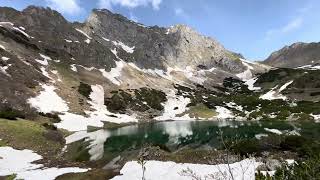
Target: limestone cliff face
{"type": "Point", "coordinates": [178, 46]}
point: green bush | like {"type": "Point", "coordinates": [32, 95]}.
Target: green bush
{"type": "Point", "coordinates": [11, 114]}
{"type": "Point", "coordinates": [247, 147]}
{"type": "Point", "coordinates": [138, 100]}
{"type": "Point", "coordinates": [84, 89]}
{"type": "Point", "coordinates": [304, 170]}
{"type": "Point", "coordinates": [53, 117]}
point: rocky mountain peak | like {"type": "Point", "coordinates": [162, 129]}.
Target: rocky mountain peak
{"type": "Point", "coordinates": [107, 14]}
{"type": "Point", "coordinates": [34, 17]}
{"type": "Point", "coordinates": [296, 55]}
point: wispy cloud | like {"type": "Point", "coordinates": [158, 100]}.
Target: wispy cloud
{"type": "Point", "coordinates": [292, 25]}
{"type": "Point", "coordinates": [129, 3]}
{"type": "Point", "coordinates": [305, 8]}
{"type": "Point", "coordinates": [71, 7]}
{"type": "Point", "coordinates": [180, 12]}
{"type": "Point", "coordinates": [134, 18]}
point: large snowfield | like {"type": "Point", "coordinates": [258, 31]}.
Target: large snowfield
{"type": "Point", "coordinates": [21, 163]}
{"type": "Point", "coordinates": [158, 170]}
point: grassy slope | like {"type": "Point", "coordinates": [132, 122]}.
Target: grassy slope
{"type": "Point", "coordinates": [200, 111]}
{"type": "Point", "coordinates": [24, 134]}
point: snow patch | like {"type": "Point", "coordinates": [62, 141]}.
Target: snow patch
{"type": "Point", "coordinates": [68, 41]}
{"type": "Point", "coordinates": [234, 106]}
{"type": "Point", "coordinates": [316, 117]}
{"type": "Point", "coordinates": [45, 60]}
{"type": "Point", "coordinates": [22, 31]}
{"type": "Point", "coordinates": [273, 94]}
{"type": "Point", "coordinates": [87, 68]}
{"type": "Point", "coordinates": [309, 67]}
{"type": "Point", "coordinates": [290, 161]}
{"type": "Point", "coordinates": [266, 173]}
{"type": "Point", "coordinates": [174, 106]}
{"type": "Point", "coordinates": [196, 76]}
{"type": "Point", "coordinates": [73, 67]}
{"type": "Point", "coordinates": [247, 74]}
{"type": "Point", "coordinates": [259, 136]}
{"type": "Point", "coordinates": [3, 58]}
{"type": "Point", "coordinates": [7, 23]}
{"type": "Point", "coordinates": [74, 122]}
{"type": "Point", "coordinates": [20, 162]}
{"type": "Point", "coordinates": [88, 40]}
{"type": "Point", "coordinates": [224, 113]}
{"type": "Point", "coordinates": [2, 47]}
{"type": "Point", "coordinates": [285, 86]}
{"type": "Point", "coordinates": [114, 73]}
{"type": "Point", "coordinates": [158, 170]}
{"type": "Point", "coordinates": [95, 118]}
{"type": "Point", "coordinates": [48, 101]}
{"type": "Point", "coordinates": [44, 72]}
{"type": "Point", "coordinates": [124, 47]}
{"type": "Point", "coordinates": [250, 84]}
{"type": "Point", "coordinates": [106, 39]}
{"type": "Point", "coordinates": [275, 131]}
{"type": "Point", "coordinates": [154, 72]}
{"type": "Point", "coordinates": [55, 72]}
{"type": "Point", "coordinates": [4, 69]}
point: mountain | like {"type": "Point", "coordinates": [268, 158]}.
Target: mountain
{"type": "Point", "coordinates": [40, 48]}
{"type": "Point", "coordinates": [296, 55]}
{"type": "Point", "coordinates": [87, 95]}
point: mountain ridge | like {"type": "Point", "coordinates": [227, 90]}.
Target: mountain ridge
{"type": "Point", "coordinates": [295, 55]}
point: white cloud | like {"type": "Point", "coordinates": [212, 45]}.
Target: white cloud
{"type": "Point", "coordinates": [305, 9]}
{"type": "Point", "coordinates": [65, 6]}
{"type": "Point", "coordinates": [290, 26]}
{"type": "Point", "coordinates": [133, 18]}
{"type": "Point", "coordinates": [180, 12]}
{"type": "Point", "coordinates": [129, 3]}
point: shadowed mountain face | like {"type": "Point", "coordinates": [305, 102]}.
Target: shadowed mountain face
{"type": "Point", "coordinates": [296, 55]}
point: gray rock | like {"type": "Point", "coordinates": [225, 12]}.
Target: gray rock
{"type": "Point", "coordinates": [273, 164]}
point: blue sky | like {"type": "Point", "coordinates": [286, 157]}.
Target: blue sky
{"type": "Point", "coordinates": [254, 28]}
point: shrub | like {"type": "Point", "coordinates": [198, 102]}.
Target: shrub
{"type": "Point", "coordinates": [84, 89]}
{"type": "Point", "coordinates": [141, 100]}
{"type": "Point", "coordinates": [292, 143]}
{"type": "Point", "coordinates": [307, 169]}
{"type": "Point", "coordinates": [54, 117]}
{"type": "Point", "coordinates": [11, 114]}
{"type": "Point", "coordinates": [246, 147]}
